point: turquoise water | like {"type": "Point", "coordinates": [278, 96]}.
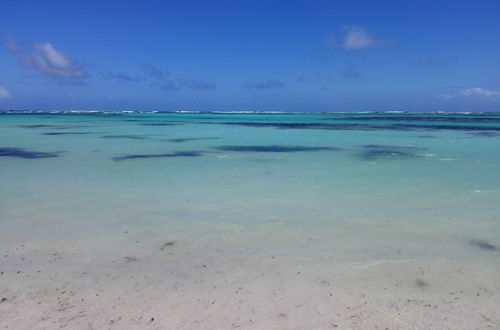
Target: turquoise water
{"type": "Point", "coordinates": [352, 189]}
{"type": "Point", "coordinates": [431, 181]}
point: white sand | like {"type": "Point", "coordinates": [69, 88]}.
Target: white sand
{"type": "Point", "coordinates": [127, 283]}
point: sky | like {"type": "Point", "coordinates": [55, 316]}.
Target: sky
{"type": "Point", "coordinates": [250, 55]}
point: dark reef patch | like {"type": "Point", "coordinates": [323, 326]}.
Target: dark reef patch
{"type": "Point", "coordinates": [180, 140]}
{"type": "Point", "coordinates": [273, 148]}
{"type": "Point", "coordinates": [483, 245]}
{"type": "Point", "coordinates": [374, 152]}
{"type": "Point", "coordinates": [133, 137]}
{"type": "Point", "coordinates": [20, 153]}
{"type": "Point", "coordinates": [65, 133]}
{"type": "Point", "coordinates": [167, 155]}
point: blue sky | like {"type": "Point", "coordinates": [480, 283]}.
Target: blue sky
{"type": "Point", "coordinates": [250, 55]}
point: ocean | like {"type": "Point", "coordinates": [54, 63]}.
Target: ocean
{"type": "Point", "coordinates": [253, 220]}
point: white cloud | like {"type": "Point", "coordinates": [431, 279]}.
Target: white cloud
{"type": "Point", "coordinates": [4, 94]}
{"type": "Point", "coordinates": [47, 60]}
{"type": "Point", "coordinates": [356, 38]}
{"type": "Point", "coordinates": [447, 96]}
{"type": "Point", "coordinates": [477, 91]}
{"type": "Point", "coordinates": [472, 92]}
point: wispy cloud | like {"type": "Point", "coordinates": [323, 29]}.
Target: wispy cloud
{"type": "Point", "coordinates": [4, 94]}
{"type": "Point", "coordinates": [197, 84]}
{"type": "Point", "coordinates": [357, 38]}
{"type": "Point", "coordinates": [121, 76]}
{"type": "Point", "coordinates": [431, 62]}
{"type": "Point", "coordinates": [169, 86]}
{"type": "Point", "coordinates": [476, 92]}
{"type": "Point", "coordinates": [350, 73]}
{"type": "Point", "coordinates": [181, 83]}
{"type": "Point", "coordinates": [12, 46]}
{"type": "Point", "coordinates": [47, 60]}
{"type": "Point", "coordinates": [302, 78]}
{"type": "Point", "coordinates": [153, 72]}
{"type": "Point", "coordinates": [317, 76]}
{"type": "Point", "coordinates": [268, 84]}
{"type": "Point", "coordinates": [70, 82]}
{"type": "Point", "coordinates": [72, 98]}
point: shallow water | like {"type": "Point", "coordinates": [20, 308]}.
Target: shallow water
{"type": "Point", "coordinates": [339, 191]}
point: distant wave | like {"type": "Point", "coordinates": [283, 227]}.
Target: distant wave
{"type": "Point", "coordinates": [241, 112]}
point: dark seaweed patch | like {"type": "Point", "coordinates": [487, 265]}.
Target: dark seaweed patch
{"type": "Point", "coordinates": [483, 245]}
{"type": "Point", "coordinates": [20, 153]}
{"type": "Point", "coordinates": [130, 259]}
{"type": "Point", "coordinates": [65, 133]}
{"type": "Point", "coordinates": [50, 126]}
{"type": "Point", "coordinates": [158, 124]}
{"type": "Point", "coordinates": [419, 283]}
{"type": "Point", "coordinates": [168, 155]}
{"type": "Point", "coordinates": [284, 125]}
{"type": "Point", "coordinates": [364, 127]}
{"type": "Point", "coordinates": [133, 137]}
{"type": "Point", "coordinates": [148, 121]}
{"type": "Point", "coordinates": [191, 139]}
{"type": "Point", "coordinates": [485, 134]}
{"type": "Point", "coordinates": [37, 126]}
{"type": "Point", "coordinates": [272, 148]}
{"type": "Point", "coordinates": [426, 136]}
{"type": "Point", "coordinates": [374, 152]}
{"type": "Point", "coordinates": [389, 147]}
{"type": "Point", "coordinates": [166, 245]}
{"type": "Point", "coordinates": [427, 118]}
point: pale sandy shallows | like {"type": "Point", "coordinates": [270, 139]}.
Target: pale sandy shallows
{"type": "Point", "coordinates": [139, 283]}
